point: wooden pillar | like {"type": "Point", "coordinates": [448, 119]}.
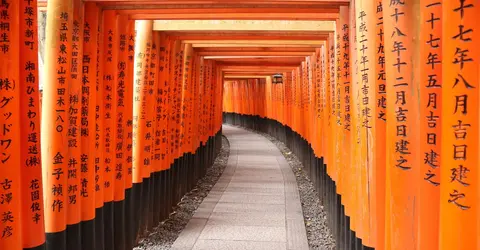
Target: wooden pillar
{"type": "Point", "coordinates": [99, 138]}
{"type": "Point", "coordinates": [128, 118]}
{"type": "Point", "coordinates": [366, 58]}
{"type": "Point", "coordinates": [187, 99]}
{"type": "Point", "coordinates": [151, 125]}
{"type": "Point", "coordinates": [174, 92]}
{"type": "Point", "coordinates": [318, 102]}
{"type": "Point", "coordinates": [402, 63]}
{"type": "Point", "coordinates": [460, 139]}
{"type": "Point", "coordinates": [378, 233]}
{"type": "Point", "coordinates": [431, 123]}
{"type": "Point", "coordinates": [110, 77]}
{"type": "Point", "coordinates": [10, 158]}
{"type": "Point", "coordinates": [32, 209]}
{"type": "Point", "coordinates": [87, 130]}
{"type": "Point", "coordinates": [147, 163]}
{"type": "Point", "coordinates": [54, 129]}
{"type": "Point", "coordinates": [195, 110]}
{"type": "Point", "coordinates": [119, 140]}
{"type": "Point", "coordinates": [163, 99]}
{"type": "Point", "coordinates": [354, 111]}
{"type": "Point", "coordinates": [144, 32]}
{"type": "Point", "coordinates": [74, 129]}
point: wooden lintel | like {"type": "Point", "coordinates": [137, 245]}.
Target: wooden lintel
{"type": "Point", "coordinates": [259, 42]}
{"type": "Point", "coordinates": [253, 36]}
{"type": "Point", "coordinates": [202, 10]}
{"type": "Point", "coordinates": [243, 25]}
{"type": "Point", "coordinates": [238, 16]}
{"type": "Point", "coordinates": [255, 45]}
{"type": "Point", "coordinates": [254, 49]}
{"type": "Point", "coordinates": [254, 53]}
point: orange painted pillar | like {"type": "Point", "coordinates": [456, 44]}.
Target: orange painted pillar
{"type": "Point", "coordinates": [195, 110]}
{"type": "Point", "coordinates": [110, 78]}
{"type": "Point", "coordinates": [142, 40]}
{"type": "Point", "coordinates": [324, 90]}
{"type": "Point", "coordinates": [151, 125]}
{"type": "Point", "coordinates": [337, 112]}
{"type": "Point", "coordinates": [202, 100]}
{"type": "Point", "coordinates": [459, 174]}
{"type": "Point", "coordinates": [186, 101]}
{"type": "Point", "coordinates": [160, 129]}
{"type": "Point", "coordinates": [10, 157]}
{"type": "Point", "coordinates": [378, 209]}
{"type": "Point", "coordinates": [354, 177]}
{"type": "Point", "coordinates": [318, 103]}
{"type": "Point", "coordinates": [366, 54]}
{"type": "Point", "coordinates": [120, 130]}
{"type": "Point", "coordinates": [163, 99]}
{"type": "Point", "coordinates": [330, 72]}
{"type": "Point", "coordinates": [431, 125]}
{"type": "Point", "coordinates": [55, 123]}
{"type": "Point", "coordinates": [87, 129]}
{"type": "Point", "coordinates": [74, 207]}
{"type": "Point", "coordinates": [174, 124]}
{"type": "Point", "coordinates": [128, 144]}
{"type": "Point", "coordinates": [99, 138]}
{"type": "Point", "coordinates": [180, 105]}
{"type": "Point", "coordinates": [346, 106]}
{"type": "Point", "coordinates": [32, 209]}
{"type": "Point", "coordinates": [402, 63]}
{"type": "Point", "coordinates": [147, 154]}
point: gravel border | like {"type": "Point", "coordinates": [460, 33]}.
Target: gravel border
{"type": "Point", "coordinates": [165, 234]}
{"type": "Point", "coordinates": [315, 218]}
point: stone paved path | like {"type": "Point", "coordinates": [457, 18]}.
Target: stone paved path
{"type": "Point", "coordinates": [254, 205]}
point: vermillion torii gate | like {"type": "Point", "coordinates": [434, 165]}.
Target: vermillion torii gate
{"type": "Point", "coordinates": [377, 99]}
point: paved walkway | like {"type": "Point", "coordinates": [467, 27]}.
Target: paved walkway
{"type": "Point", "coordinates": [254, 205]}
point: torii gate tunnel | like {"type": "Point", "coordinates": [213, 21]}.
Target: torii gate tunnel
{"type": "Point", "coordinates": [378, 98]}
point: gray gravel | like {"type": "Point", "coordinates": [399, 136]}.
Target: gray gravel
{"type": "Point", "coordinates": [318, 233]}
{"type": "Point", "coordinates": [163, 236]}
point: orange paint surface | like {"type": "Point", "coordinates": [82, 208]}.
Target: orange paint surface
{"type": "Point", "coordinates": [110, 77]}
{"type": "Point", "coordinates": [402, 145]}
{"type": "Point", "coordinates": [431, 125]}
{"type": "Point", "coordinates": [460, 139]}
{"type": "Point", "coordinates": [32, 210]}
{"type": "Point", "coordinates": [55, 109]}
{"type": "Point", "coordinates": [74, 117]}
{"type": "Point", "coordinates": [10, 159]}
{"type": "Point", "coordinates": [88, 101]}
{"type": "Point", "coordinates": [144, 31]}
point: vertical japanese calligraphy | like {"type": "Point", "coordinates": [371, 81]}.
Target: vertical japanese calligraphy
{"type": "Point", "coordinates": [128, 112]}
{"type": "Point", "coordinates": [144, 30]}
{"type": "Point", "coordinates": [459, 133]}
{"type": "Point", "coordinates": [54, 129]}
{"type": "Point", "coordinates": [430, 130]}
{"type": "Point", "coordinates": [74, 127]}
{"type": "Point", "coordinates": [378, 209]}
{"type": "Point", "coordinates": [402, 145]}
{"type": "Point", "coordinates": [121, 100]}
{"type": "Point", "coordinates": [10, 159]}
{"type": "Point", "coordinates": [87, 129]}
{"type": "Point", "coordinates": [163, 101]}
{"type": "Point", "coordinates": [33, 233]}
{"type": "Point", "coordinates": [110, 74]}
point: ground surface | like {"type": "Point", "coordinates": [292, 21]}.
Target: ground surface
{"type": "Point", "coordinates": [318, 233]}
{"type": "Point", "coordinates": [167, 232]}
{"type": "Point", "coordinates": [263, 200]}
{"type": "Point", "coordinates": [254, 205]}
